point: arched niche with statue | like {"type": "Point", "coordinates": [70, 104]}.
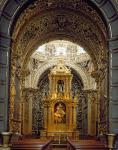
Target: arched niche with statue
{"type": "Point", "coordinates": [60, 86]}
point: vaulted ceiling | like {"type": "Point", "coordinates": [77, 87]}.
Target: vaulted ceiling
{"type": "Point", "coordinates": [78, 21]}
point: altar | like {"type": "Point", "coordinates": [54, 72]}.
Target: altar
{"type": "Point", "coordinates": [59, 106]}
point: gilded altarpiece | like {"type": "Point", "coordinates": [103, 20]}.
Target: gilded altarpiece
{"type": "Point", "coordinates": [35, 101]}
{"type": "Point", "coordinates": [59, 106]}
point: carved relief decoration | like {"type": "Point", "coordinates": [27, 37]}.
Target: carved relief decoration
{"type": "Point", "coordinates": [41, 69]}
{"type": "Point", "coordinates": [35, 24]}
{"type": "Point", "coordinates": [36, 115]}
{"type": "Point", "coordinates": [37, 112]}
{"type": "Point", "coordinates": [103, 106]}
{"type": "Point", "coordinates": [82, 113]}
{"type": "Point", "coordinates": [39, 6]}
{"type": "Point", "coordinates": [42, 21]}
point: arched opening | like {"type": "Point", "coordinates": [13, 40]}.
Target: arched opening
{"type": "Point", "coordinates": [37, 86]}
{"type": "Point", "coordinates": [57, 25]}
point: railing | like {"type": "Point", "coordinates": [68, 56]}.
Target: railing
{"type": "Point", "coordinates": [62, 135]}
{"type": "Point", "coordinates": [70, 146]}
{"type": "Point", "coordinates": [47, 146]}
{"type": "Point", "coordinates": [60, 143]}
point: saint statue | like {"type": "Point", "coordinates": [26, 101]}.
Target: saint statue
{"type": "Point", "coordinates": [60, 87]}
{"type": "Point", "coordinates": [59, 114]}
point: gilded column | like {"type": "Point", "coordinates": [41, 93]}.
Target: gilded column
{"type": "Point", "coordinates": [70, 115]}
{"type": "Point", "coordinates": [12, 95]}
{"type": "Point", "coordinates": [22, 101]}
{"type": "Point", "coordinates": [89, 115]}
{"type": "Point", "coordinates": [74, 115]}
{"type": "Point", "coordinates": [30, 114]}
{"type": "Point", "coordinates": [46, 115]}
{"type": "Point", "coordinates": [20, 106]}
{"type": "Point", "coordinates": [96, 75]}
{"type": "Point", "coordinates": [17, 118]}
{"type": "Point", "coordinates": [49, 117]}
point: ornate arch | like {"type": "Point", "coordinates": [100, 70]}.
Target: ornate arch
{"type": "Point", "coordinates": [50, 25]}
{"type": "Point", "coordinates": [82, 74]}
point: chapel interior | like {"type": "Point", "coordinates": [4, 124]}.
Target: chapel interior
{"type": "Point", "coordinates": [59, 76]}
{"type": "Point", "coordinates": [58, 99]}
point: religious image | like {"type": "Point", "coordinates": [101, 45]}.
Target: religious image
{"type": "Point", "coordinates": [60, 113]}
{"type": "Point", "coordinates": [60, 86]}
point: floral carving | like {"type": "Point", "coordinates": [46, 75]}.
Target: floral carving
{"type": "Point", "coordinates": [72, 19]}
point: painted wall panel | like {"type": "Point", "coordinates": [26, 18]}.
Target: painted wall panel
{"type": "Point", "coordinates": [113, 45]}
{"type": "Point", "coordinates": [1, 109]}
{"type": "Point", "coordinates": [1, 125]}
{"type": "Point", "coordinates": [109, 10]}
{"type": "Point", "coordinates": [4, 27]}
{"type": "Point", "coordinates": [4, 42]}
{"type": "Point", "coordinates": [4, 57]}
{"type": "Point", "coordinates": [114, 59]}
{"type": "Point", "coordinates": [114, 111]}
{"type": "Point", "coordinates": [3, 91]}
{"type": "Point", "coordinates": [114, 76]}
{"type": "Point", "coordinates": [11, 7]}
{"type": "Point", "coordinates": [114, 127]}
{"type": "Point", "coordinates": [114, 94]}
{"type": "Point", "coordinates": [114, 28]}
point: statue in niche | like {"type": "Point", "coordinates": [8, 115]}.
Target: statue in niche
{"type": "Point", "coordinates": [59, 113]}
{"type": "Point", "coordinates": [60, 86]}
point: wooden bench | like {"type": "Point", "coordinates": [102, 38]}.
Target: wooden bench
{"type": "Point", "coordinates": [30, 144]}
{"type": "Point", "coordinates": [86, 145]}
